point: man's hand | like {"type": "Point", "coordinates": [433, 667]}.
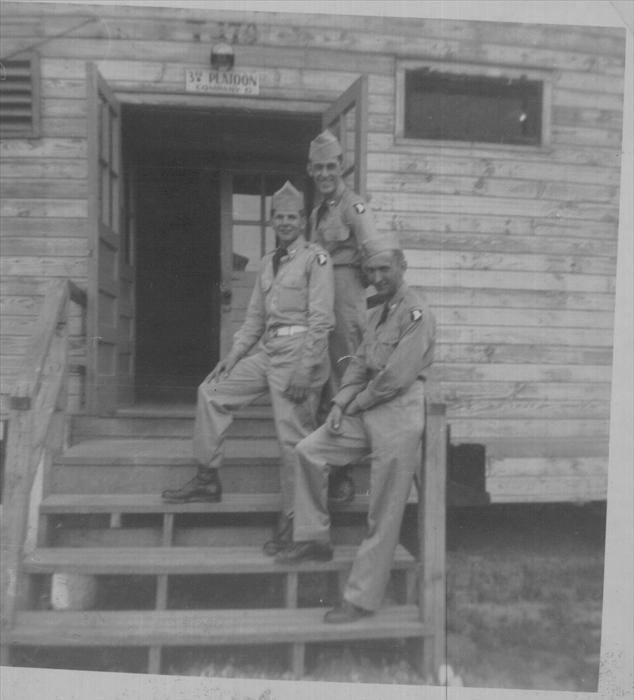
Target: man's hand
{"type": "Point", "coordinates": [222, 368]}
{"type": "Point", "coordinates": [333, 422]}
{"type": "Point", "coordinates": [298, 386]}
{"type": "Point", "coordinates": [353, 408]}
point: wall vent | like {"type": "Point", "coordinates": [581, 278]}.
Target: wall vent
{"type": "Point", "coordinates": [20, 97]}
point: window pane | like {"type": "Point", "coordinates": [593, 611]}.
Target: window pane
{"type": "Point", "coordinates": [472, 108]}
{"type": "Point", "coordinates": [246, 207]}
{"type": "Point", "coordinates": [246, 247]}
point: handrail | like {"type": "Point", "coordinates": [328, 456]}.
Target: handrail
{"type": "Point", "coordinates": [431, 520]}
{"type": "Point", "coordinates": [36, 429]}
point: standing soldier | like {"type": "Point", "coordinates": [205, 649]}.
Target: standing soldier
{"type": "Point", "coordinates": [379, 410]}
{"type": "Point", "coordinates": [290, 314]}
{"type": "Point", "coordinates": [341, 223]}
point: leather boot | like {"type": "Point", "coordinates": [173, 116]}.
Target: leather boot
{"type": "Point", "coordinates": [346, 612]}
{"type": "Point", "coordinates": [341, 487]}
{"type": "Point", "coordinates": [205, 487]}
{"type": "Point", "coordinates": [307, 550]}
{"type": "Point", "coordinates": [282, 537]}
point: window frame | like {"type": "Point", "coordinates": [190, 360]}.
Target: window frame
{"type": "Point", "coordinates": [34, 131]}
{"type": "Point", "coordinates": [482, 70]}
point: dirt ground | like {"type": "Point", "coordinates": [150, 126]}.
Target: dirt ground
{"type": "Point", "coordinates": [524, 599]}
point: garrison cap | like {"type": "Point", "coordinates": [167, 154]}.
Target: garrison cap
{"type": "Point", "coordinates": [324, 147]}
{"type": "Point", "coordinates": [380, 244]}
{"type": "Point", "coordinates": [287, 198]}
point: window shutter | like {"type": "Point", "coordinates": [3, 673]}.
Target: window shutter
{"type": "Point", "coordinates": [20, 97]}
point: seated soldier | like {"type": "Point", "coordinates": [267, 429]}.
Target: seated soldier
{"type": "Point", "coordinates": [378, 411]}
{"type": "Point", "coordinates": [290, 315]}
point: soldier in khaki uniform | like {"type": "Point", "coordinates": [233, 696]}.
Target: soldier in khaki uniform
{"type": "Point", "coordinates": [341, 223]}
{"type": "Point", "coordinates": [379, 411]}
{"type": "Point", "coordinates": [290, 314]}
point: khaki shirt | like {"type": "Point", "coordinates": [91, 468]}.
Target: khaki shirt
{"type": "Point", "coordinates": [301, 294]}
{"type": "Point", "coordinates": [345, 226]}
{"type": "Point", "coordinates": [393, 354]}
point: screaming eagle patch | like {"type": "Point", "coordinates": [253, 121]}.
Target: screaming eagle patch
{"type": "Point", "coordinates": [322, 258]}
{"type": "Point", "coordinates": [359, 208]}
{"type": "Point", "coordinates": [416, 314]}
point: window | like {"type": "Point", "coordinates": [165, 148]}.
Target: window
{"type": "Point", "coordinates": [20, 97]}
{"type": "Point", "coordinates": [473, 104]}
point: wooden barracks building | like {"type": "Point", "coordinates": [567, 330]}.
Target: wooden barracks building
{"type": "Point", "coordinates": [141, 174]}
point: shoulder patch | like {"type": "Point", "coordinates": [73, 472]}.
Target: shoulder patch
{"type": "Point", "coordinates": [322, 258]}
{"type": "Point", "coordinates": [416, 314]}
{"type": "Point", "coordinates": [359, 207]}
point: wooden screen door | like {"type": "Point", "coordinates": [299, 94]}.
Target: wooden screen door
{"type": "Point", "coordinates": [110, 326]}
{"type": "Point", "coordinates": [347, 119]}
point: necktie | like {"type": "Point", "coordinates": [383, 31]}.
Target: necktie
{"type": "Point", "coordinates": [321, 212]}
{"type": "Point", "coordinates": [384, 313]}
{"type": "Point", "coordinates": [279, 253]}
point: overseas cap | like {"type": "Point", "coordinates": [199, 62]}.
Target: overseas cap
{"type": "Point", "coordinates": [324, 148]}
{"type": "Point", "coordinates": [380, 244]}
{"type": "Point", "coordinates": [287, 198]}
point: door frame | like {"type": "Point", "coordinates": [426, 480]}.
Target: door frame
{"type": "Point", "coordinates": [142, 98]}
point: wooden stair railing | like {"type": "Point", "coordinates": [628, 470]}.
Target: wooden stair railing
{"type": "Point", "coordinates": [36, 431]}
{"type": "Point", "coordinates": [431, 518]}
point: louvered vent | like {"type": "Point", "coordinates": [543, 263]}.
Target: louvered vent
{"type": "Point", "coordinates": [19, 97]}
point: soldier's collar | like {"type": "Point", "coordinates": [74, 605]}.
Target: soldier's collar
{"type": "Point", "coordinates": [338, 194]}
{"type": "Point", "coordinates": [292, 248]}
{"type": "Point", "coordinates": [398, 297]}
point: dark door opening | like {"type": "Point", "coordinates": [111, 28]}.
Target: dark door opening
{"type": "Point", "coordinates": [178, 304]}
{"type": "Point", "coordinates": [192, 170]}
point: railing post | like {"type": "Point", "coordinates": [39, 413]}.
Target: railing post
{"type": "Point", "coordinates": [16, 489]}
{"type": "Point", "coordinates": [432, 537]}
{"type": "Point", "coordinates": [35, 431]}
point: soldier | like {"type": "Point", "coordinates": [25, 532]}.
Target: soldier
{"type": "Point", "coordinates": [290, 313]}
{"type": "Point", "coordinates": [341, 223]}
{"type": "Point", "coordinates": [379, 411]}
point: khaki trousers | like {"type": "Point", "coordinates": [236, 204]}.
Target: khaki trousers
{"type": "Point", "coordinates": [350, 321]}
{"type": "Point", "coordinates": [391, 433]}
{"type": "Point", "coordinates": [269, 369]}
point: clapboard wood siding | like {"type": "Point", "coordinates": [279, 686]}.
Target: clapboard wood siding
{"type": "Point", "coordinates": [514, 247]}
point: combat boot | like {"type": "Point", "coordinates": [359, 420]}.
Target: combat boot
{"type": "Point", "coordinates": [341, 487]}
{"type": "Point", "coordinates": [282, 537]}
{"type": "Point", "coordinates": [205, 487]}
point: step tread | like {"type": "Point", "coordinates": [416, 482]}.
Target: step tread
{"type": "Point", "coordinates": [171, 450]}
{"type": "Point", "coordinates": [257, 411]}
{"type": "Point", "coordinates": [183, 560]}
{"type": "Point", "coordinates": [206, 627]}
{"type": "Point", "coordinates": [83, 504]}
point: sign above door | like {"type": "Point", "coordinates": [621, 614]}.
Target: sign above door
{"type": "Point", "coordinates": [222, 82]}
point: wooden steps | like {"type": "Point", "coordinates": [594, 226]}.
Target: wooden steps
{"type": "Point", "coordinates": [206, 627]}
{"type": "Point", "coordinates": [103, 517]}
{"type": "Point", "coordinates": [173, 451]}
{"type": "Point", "coordinates": [251, 422]}
{"type": "Point", "coordinates": [183, 560]}
{"type": "Point", "coordinates": [153, 503]}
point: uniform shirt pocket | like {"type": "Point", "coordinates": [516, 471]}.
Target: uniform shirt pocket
{"type": "Point", "coordinates": [381, 350]}
{"type": "Point", "coordinates": [292, 293]}
{"type": "Point", "coordinates": [334, 229]}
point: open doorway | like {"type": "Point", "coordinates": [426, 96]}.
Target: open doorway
{"type": "Point", "coordinates": [201, 183]}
